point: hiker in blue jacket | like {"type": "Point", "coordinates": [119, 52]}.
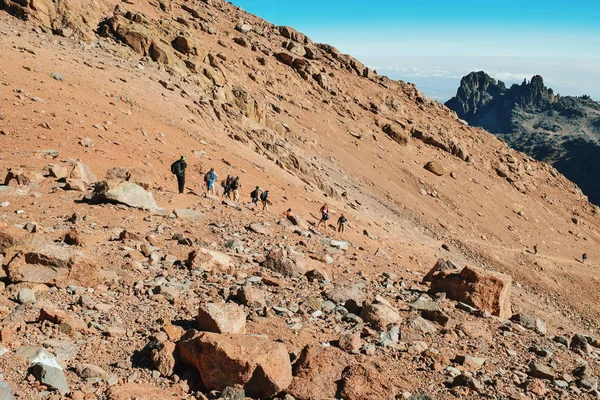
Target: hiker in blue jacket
{"type": "Point", "coordinates": [210, 178]}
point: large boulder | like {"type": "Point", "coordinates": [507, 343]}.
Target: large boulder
{"type": "Point", "coordinates": [317, 372]}
{"type": "Point", "coordinates": [209, 260]}
{"type": "Point", "coordinates": [142, 177]}
{"type": "Point", "coordinates": [262, 367]}
{"type": "Point", "coordinates": [83, 173]}
{"type": "Point", "coordinates": [350, 296]}
{"type": "Point", "coordinates": [279, 260]}
{"type": "Point", "coordinates": [380, 315]}
{"type": "Point", "coordinates": [124, 192]}
{"type": "Point", "coordinates": [11, 236]}
{"type": "Point", "coordinates": [23, 177]}
{"type": "Point", "coordinates": [221, 318]}
{"type": "Point", "coordinates": [184, 44]}
{"type": "Point", "coordinates": [53, 265]}
{"type": "Point", "coordinates": [397, 133]}
{"type": "Point", "coordinates": [118, 173]}
{"type": "Point", "coordinates": [441, 265]}
{"type": "Point", "coordinates": [485, 290]}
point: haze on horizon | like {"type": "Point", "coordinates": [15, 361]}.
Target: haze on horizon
{"type": "Point", "coordinates": [434, 44]}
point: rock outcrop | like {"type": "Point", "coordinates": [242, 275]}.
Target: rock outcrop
{"type": "Point", "coordinates": [124, 192]}
{"type": "Point", "coordinates": [489, 291]}
{"type": "Point", "coordinates": [560, 130]}
{"type": "Point", "coordinates": [260, 366]}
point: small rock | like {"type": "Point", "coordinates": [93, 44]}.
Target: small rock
{"type": "Point", "coordinates": [86, 142]}
{"type": "Point", "coordinates": [251, 297]}
{"type": "Point", "coordinates": [541, 371]}
{"type": "Point", "coordinates": [26, 296]}
{"type": "Point", "coordinates": [350, 342]}
{"type": "Point", "coordinates": [57, 76]}
{"type": "Point", "coordinates": [420, 324]}
{"type": "Point", "coordinates": [580, 343]}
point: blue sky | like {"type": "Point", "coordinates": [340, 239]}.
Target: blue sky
{"type": "Point", "coordinates": [432, 43]}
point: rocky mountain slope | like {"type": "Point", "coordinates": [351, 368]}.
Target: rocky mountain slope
{"type": "Point", "coordinates": [115, 286]}
{"type": "Point", "coordinates": [563, 131]}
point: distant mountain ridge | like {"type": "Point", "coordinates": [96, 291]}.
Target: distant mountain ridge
{"type": "Point", "coordinates": [561, 130]}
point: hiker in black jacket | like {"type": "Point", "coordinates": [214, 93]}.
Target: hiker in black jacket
{"type": "Point", "coordinates": [178, 168]}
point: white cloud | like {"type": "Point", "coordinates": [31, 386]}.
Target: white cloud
{"type": "Point", "coordinates": [511, 76]}
{"type": "Point", "coordinates": [414, 72]}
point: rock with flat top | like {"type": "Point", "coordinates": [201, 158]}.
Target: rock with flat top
{"type": "Point", "coordinates": [258, 365]}
{"type": "Point", "coordinates": [124, 192]}
{"type": "Point", "coordinates": [221, 318]}
{"type": "Point", "coordinates": [489, 291]}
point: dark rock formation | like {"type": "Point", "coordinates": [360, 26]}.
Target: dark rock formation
{"type": "Point", "coordinates": [562, 131]}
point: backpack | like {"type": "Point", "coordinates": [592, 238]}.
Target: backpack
{"type": "Point", "coordinates": [325, 217]}
{"type": "Point", "coordinates": [264, 196]}
{"type": "Point", "coordinates": [176, 168]}
{"type": "Point", "coordinates": [234, 184]}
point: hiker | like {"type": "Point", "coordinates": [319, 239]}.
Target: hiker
{"type": "Point", "coordinates": [255, 194]}
{"type": "Point", "coordinates": [287, 214]}
{"type": "Point", "coordinates": [178, 168]}
{"type": "Point", "coordinates": [235, 186]}
{"type": "Point", "coordinates": [324, 216]}
{"type": "Point", "coordinates": [584, 257]}
{"type": "Point", "coordinates": [209, 178]}
{"type": "Point", "coordinates": [535, 249]}
{"type": "Point", "coordinates": [341, 223]}
{"type": "Point", "coordinates": [264, 198]}
{"type": "Point", "coordinates": [226, 185]}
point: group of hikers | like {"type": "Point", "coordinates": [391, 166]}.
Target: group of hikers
{"type": "Point", "coordinates": [341, 222]}
{"type": "Point", "coordinates": [231, 186]}
{"type": "Point", "coordinates": [583, 256]}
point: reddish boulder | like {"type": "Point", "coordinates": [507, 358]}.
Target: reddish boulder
{"type": "Point", "coordinates": [366, 382]}
{"type": "Point", "coordinates": [83, 173]}
{"type": "Point", "coordinates": [279, 260]}
{"type": "Point", "coordinates": [380, 315]}
{"type": "Point", "coordinates": [163, 358]}
{"type": "Point", "coordinates": [118, 173]}
{"type": "Point", "coordinates": [262, 367]}
{"type": "Point", "coordinates": [489, 291]}
{"type": "Point", "coordinates": [317, 372]}
{"type": "Point", "coordinates": [141, 177]}
{"type": "Point", "coordinates": [18, 176]}
{"type": "Point", "coordinates": [69, 324]}
{"type": "Point", "coordinates": [251, 297]}
{"type": "Point", "coordinates": [221, 318]}
{"type": "Point", "coordinates": [74, 238]}
{"type": "Point", "coordinates": [54, 265]}
{"type": "Point", "coordinates": [350, 342]}
{"type": "Point", "coordinates": [11, 236]}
